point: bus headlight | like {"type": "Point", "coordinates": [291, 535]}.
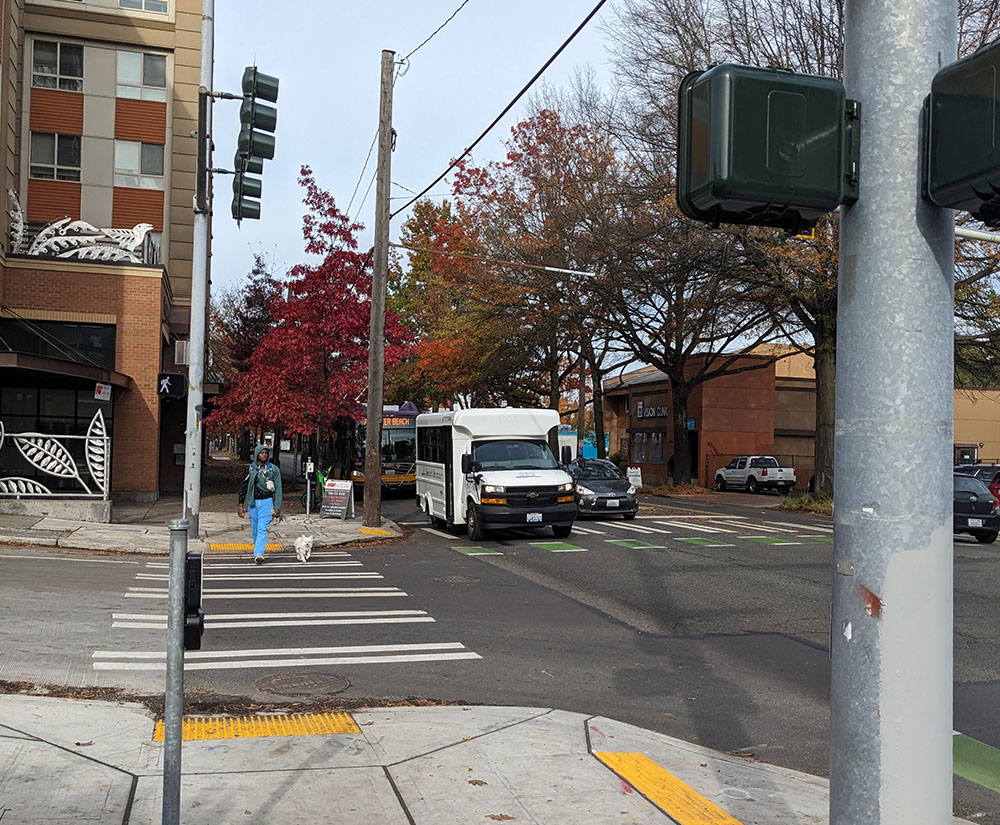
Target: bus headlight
{"type": "Point", "coordinates": [493, 488]}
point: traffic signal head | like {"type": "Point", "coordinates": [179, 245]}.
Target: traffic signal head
{"type": "Point", "coordinates": [765, 147]}
{"type": "Point", "coordinates": [963, 165]}
{"type": "Point", "coordinates": [256, 140]}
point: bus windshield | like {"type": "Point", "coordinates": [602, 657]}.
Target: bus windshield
{"type": "Point", "coordinates": [399, 445]}
{"type": "Point", "coordinates": [514, 455]}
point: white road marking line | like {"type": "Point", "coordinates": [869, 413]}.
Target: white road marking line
{"type": "Point", "coordinates": [276, 564]}
{"type": "Point", "coordinates": [330, 614]}
{"type": "Point", "coordinates": [646, 530]}
{"type": "Point", "coordinates": [699, 527]}
{"type": "Point", "coordinates": [193, 655]}
{"type": "Point", "coordinates": [269, 576]}
{"type": "Point", "coordinates": [678, 517]}
{"type": "Point", "coordinates": [434, 532]}
{"type": "Point", "coordinates": [292, 593]}
{"type": "Point", "coordinates": [218, 625]}
{"type": "Point", "coordinates": [587, 530]}
{"type": "Point", "coordinates": [772, 541]}
{"type": "Point", "coordinates": [270, 663]}
{"type": "Point", "coordinates": [801, 527]}
{"type": "Point", "coordinates": [756, 527]}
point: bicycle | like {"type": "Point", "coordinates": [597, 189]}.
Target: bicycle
{"type": "Point", "coordinates": [316, 487]}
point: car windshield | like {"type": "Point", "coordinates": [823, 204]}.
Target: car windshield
{"type": "Point", "coordinates": [968, 484]}
{"type": "Point", "coordinates": [514, 454]}
{"type": "Point", "coordinates": [596, 470]}
{"type": "Point", "coordinates": [763, 462]}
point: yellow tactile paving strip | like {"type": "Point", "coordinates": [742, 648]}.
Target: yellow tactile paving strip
{"type": "Point", "coordinates": [270, 546]}
{"type": "Point", "coordinates": [374, 531]}
{"type": "Point", "coordinates": [248, 727]}
{"type": "Point", "coordinates": [680, 802]}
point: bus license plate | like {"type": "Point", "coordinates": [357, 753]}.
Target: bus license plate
{"type": "Point", "coordinates": [975, 522]}
{"type": "Point", "coordinates": [534, 518]}
{"type": "Point", "coordinates": [612, 502]}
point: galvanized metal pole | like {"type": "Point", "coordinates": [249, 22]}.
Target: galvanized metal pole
{"type": "Point", "coordinates": [891, 635]}
{"type": "Point", "coordinates": [173, 704]}
{"type": "Point", "coordinates": [372, 509]}
{"type": "Point", "coordinates": [194, 434]}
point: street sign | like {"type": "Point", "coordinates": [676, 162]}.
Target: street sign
{"type": "Point", "coordinates": [171, 385]}
{"type": "Point", "coordinates": [102, 392]}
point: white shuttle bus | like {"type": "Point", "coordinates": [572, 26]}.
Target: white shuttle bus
{"type": "Point", "coordinates": [492, 469]}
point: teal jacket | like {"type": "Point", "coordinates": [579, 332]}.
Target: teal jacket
{"type": "Point", "coordinates": [266, 476]}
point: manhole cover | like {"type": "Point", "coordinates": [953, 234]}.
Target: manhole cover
{"type": "Point", "coordinates": [302, 684]}
{"type": "Point", "coordinates": [456, 579]}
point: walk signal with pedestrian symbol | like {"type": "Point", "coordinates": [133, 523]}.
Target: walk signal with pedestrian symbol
{"type": "Point", "coordinates": [171, 385]}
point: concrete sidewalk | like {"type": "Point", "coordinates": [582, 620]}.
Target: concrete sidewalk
{"type": "Point", "coordinates": [64, 760]}
{"type": "Point", "coordinates": [150, 533]}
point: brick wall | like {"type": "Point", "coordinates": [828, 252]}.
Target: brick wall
{"type": "Point", "coordinates": [135, 299]}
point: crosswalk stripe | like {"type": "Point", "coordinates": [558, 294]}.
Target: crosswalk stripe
{"type": "Point", "coordinates": [558, 547]}
{"type": "Point", "coordinates": [195, 655]}
{"type": "Point", "coordinates": [703, 542]}
{"type": "Point", "coordinates": [434, 532]}
{"type": "Point", "coordinates": [475, 551]}
{"type": "Point", "coordinates": [270, 576]}
{"type": "Point", "coordinates": [771, 540]}
{"type": "Point", "coordinates": [337, 614]}
{"type": "Point", "coordinates": [335, 661]}
{"type": "Point", "coordinates": [800, 526]}
{"type": "Point", "coordinates": [699, 527]}
{"type": "Point", "coordinates": [214, 565]}
{"type": "Point", "coordinates": [632, 528]}
{"type": "Point", "coordinates": [755, 526]}
{"type": "Point", "coordinates": [587, 530]}
{"type": "Point", "coordinates": [211, 622]}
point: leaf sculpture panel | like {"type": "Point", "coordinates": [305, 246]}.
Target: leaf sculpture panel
{"type": "Point", "coordinates": [23, 486]}
{"type": "Point", "coordinates": [97, 451]}
{"type": "Point", "coordinates": [48, 455]}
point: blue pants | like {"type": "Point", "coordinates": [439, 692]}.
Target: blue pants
{"type": "Point", "coordinates": [260, 519]}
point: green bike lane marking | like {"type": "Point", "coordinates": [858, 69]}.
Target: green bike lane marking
{"type": "Point", "coordinates": [976, 761]}
{"type": "Point", "coordinates": [828, 539]}
{"type": "Point", "coordinates": [476, 551]}
{"type": "Point", "coordinates": [634, 544]}
{"type": "Point", "coordinates": [558, 547]}
{"type": "Point", "coordinates": [770, 540]}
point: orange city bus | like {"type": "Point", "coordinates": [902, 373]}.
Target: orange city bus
{"type": "Point", "coordinates": [398, 450]}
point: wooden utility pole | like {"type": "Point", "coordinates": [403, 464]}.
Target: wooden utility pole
{"type": "Point", "coordinates": [372, 510]}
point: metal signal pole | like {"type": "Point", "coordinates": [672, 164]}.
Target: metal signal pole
{"type": "Point", "coordinates": [891, 634]}
{"type": "Point", "coordinates": [372, 511]}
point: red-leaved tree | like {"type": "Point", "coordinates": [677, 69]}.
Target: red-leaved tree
{"type": "Point", "coordinates": [311, 368]}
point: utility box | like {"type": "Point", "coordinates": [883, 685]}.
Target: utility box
{"type": "Point", "coordinates": [963, 162]}
{"type": "Point", "coordinates": [765, 147]}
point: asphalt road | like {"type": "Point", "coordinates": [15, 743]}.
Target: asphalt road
{"type": "Point", "coordinates": [708, 621]}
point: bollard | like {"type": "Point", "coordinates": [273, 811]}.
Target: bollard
{"type": "Point", "coordinates": [173, 699]}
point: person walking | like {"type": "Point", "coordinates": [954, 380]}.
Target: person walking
{"type": "Point", "coordinates": [260, 496]}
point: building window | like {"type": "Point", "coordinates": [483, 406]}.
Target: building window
{"type": "Point", "coordinates": [144, 5]}
{"type": "Point", "coordinates": [138, 165]}
{"type": "Point", "coordinates": [142, 76]}
{"type": "Point", "coordinates": [57, 66]}
{"type": "Point", "coordinates": [151, 248]}
{"type": "Point", "coordinates": [54, 157]}
{"type": "Point", "coordinates": [82, 343]}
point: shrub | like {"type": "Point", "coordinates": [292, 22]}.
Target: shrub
{"type": "Point", "coordinates": [808, 503]}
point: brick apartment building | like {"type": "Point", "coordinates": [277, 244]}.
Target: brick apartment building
{"type": "Point", "coordinates": [98, 102]}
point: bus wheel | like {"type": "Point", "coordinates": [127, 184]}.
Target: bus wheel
{"type": "Point", "coordinates": [472, 528]}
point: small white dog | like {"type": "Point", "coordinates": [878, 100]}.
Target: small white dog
{"type": "Point", "coordinates": [303, 548]}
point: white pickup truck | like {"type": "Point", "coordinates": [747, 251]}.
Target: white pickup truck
{"type": "Point", "coordinates": [755, 473]}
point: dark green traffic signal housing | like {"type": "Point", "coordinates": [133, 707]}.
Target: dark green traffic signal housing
{"type": "Point", "coordinates": [256, 140]}
{"type": "Point", "coordinates": [963, 164]}
{"type": "Point", "coordinates": [765, 147]}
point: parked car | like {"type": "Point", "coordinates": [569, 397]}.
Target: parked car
{"type": "Point", "coordinates": [602, 489]}
{"type": "Point", "coordinates": [755, 473]}
{"type": "Point", "coordinates": [984, 472]}
{"type": "Point", "coordinates": [977, 510]}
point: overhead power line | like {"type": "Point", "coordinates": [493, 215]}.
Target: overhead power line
{"type": "Point", "coordinates": [517, 264]}
{"type": "Point", "coordinates": [445, 23]}
{"type": "Point", "coordinates": [500, 117]}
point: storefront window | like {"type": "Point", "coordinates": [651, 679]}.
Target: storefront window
{"type": "Point", "coordinates": [647, 448]}
{"type": "Point", "coordinates": [56, 339]}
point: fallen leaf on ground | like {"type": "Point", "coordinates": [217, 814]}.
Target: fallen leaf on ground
{"type": "Point", "coordinates": [84, 744]}
{"type": "Point", "coordinates": [669, 716]}
{"type": "Point", "coordinates": [476, 782]}
{"type": "Point", "coordinates": [748, 755]}
{"type": "Point", "coordinates": [499, 817]}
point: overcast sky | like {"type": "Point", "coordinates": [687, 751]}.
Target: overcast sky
{"type": "Point", "coordinates": [327, 56]}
